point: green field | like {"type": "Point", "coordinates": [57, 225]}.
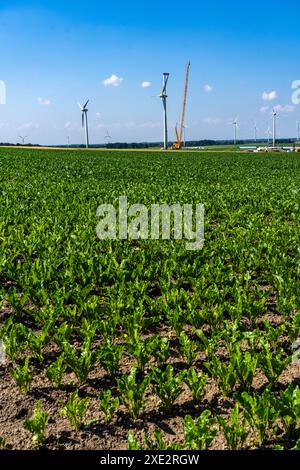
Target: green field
{"type": "Point", "coordinates": [144, 344]}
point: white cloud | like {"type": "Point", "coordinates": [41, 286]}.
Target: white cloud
{"type": "Point", "coordinates": [272, 95]}
{"type": "Point", "coordinates": [286, 109]}
{"type": "Point", "coordinates": [212, 121]}
{"type": "Point", "coordinates": [150, 125]}
{"type": "Point", "coordinates": [44, 102]}
{"type": "Point", "coordinates": [208, 88]}
{"type": "Point", "coordinates": [128, 125]}
{"type": "Point", "coordinates": [114, 80]}
{"type": "Point", "coordinates": [264, 109]}
{"type": "Point", "coordinates": [146, 84]}
{"type": "Point", "coordinates": [28, 125]}
{"type": "Point", "coordinates": [98, 114]}
{"type": "Point", "coordinates": [123, 125]}
{"type": "Point", "coordinates": [72, 126]}
{"type": "Point", "coordinates": [131, 125]}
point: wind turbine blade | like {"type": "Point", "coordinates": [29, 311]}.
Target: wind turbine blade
{"type": "Point", "coordinates": [82, 117]}
{"type": "Point", "coordinates": [80, 106]}
{"type": "Point", "coordinates": [166, 78]}
{"type": "Point", "coordinates": [86, 104]}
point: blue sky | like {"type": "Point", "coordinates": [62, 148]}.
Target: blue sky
{"type": "Point", "coordinates": [56, 53]}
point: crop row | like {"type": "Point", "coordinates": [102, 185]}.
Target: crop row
{"type": "Point", "coordinates": [208, 337]}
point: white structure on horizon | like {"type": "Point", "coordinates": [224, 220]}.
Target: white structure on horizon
{"type": "Point", "coordinates": [84, 111]}
{"type": "Point", "coordinates": [163, 95]}
{"type": "Point", "coordinates": [274, 126]}
{"type": "Point", "coordinates": [255, 132]}
{"type": "Point", "coordinates": [235, 127]}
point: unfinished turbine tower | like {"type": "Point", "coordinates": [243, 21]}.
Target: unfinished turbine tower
{"type": "Point", "coordinates": [164, 97]}
{"type": "Point", "coordinates": [84, 111]}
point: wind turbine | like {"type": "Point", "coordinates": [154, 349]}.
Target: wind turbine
{"type": "Point", "coordinates": [84, 111]}
{"type": "Point", "coordinates": [23, 139]}
{"type": "Point", "coordinates": [68, 141]}
{"type": "Point", "coordinates": [163, 96]}
{"type": "Point", "coordinates": [274, 126]}
{"type": "Point", "coordinates": [298, 131]}
{"type": "Point", "coordinates": [235, 126]}
{"type": "Point", "coordinates": [255, 132]}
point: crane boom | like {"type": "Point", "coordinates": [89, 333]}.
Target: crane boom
{"type": "Point", "coordinates": [179, 134]}
{"type": "Point", "coordinates": [184, 100]}
{"type": "Point", "coordinates": [176, 132]}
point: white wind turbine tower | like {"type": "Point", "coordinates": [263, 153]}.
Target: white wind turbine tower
{"type": "Point", "coordinates": [274, 126]}
{"type": "Point", "coordinates": [84, 111]}
{"type": "Point", "coordinates": [235, 126]}
{"type": "Point", "coordinates": [298, 131]}
{"type": "Point", "coordinates": [23, 139]}
{"type": "Point", "coordinates": [255, 132]}
{"type": "Point", "coordinates": [164, 97]}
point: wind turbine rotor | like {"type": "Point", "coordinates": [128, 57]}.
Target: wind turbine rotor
{"type": "Point", "coordinates": [23, 138]}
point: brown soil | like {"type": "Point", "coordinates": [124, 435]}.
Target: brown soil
{"type": "Point", "coordinates": [96, 434]}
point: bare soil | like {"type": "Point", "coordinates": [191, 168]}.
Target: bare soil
{"type": "Point", "coordinates": [96, 434]}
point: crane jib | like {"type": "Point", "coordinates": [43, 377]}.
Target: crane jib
{"type": "Point", "coordinates": [179, 135]}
